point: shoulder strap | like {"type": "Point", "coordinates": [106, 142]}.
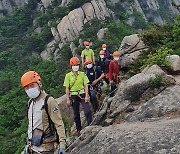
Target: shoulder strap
{"type": "Point", "coordinates": [29, 103]}
{"type": "Point", "coordinates": [73, 83]}
{"type": "Point", "coordinates": [51, 124]}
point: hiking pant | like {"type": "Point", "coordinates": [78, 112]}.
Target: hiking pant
{"type": "Point", "coordinates": [93, 99]}
{"type": "Point", "coordinates": [76, 100]}
{"type": "Point", "coordinates": [112, 88]}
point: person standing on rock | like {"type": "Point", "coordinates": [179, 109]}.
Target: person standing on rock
{"type": "Point", "coordinates": [46, 133]}
{"type": "Point", "coordinates": [94, 75]}
{"type": "Point", "coordinates": [106, 51]}
{"type": "Point", "coordinates": [114, 72]}
{"type": "Point", "coordinates": [76, 83]}
{"type": "Point", "coordinates": [103, 64]}
{"type": "Point", "coordinates": [87, 53]}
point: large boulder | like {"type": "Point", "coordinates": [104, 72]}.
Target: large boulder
{"type": "Point", "coordinates": [167, 102]}
{"type": "Point", "coordinates": [141, 137]}
{"type": "Point", "coordinates": [133, 88]}
{"type": "Point", "coordinates": [101, 33]}
{"type": "Point", "coordinates": [130, 49]}
{"type": "Point", "coordinates": [174, 62]}
{"type": "Point", "coordinates": [131, 43]}
{"type": "Point", "coordinates": [71, 25]}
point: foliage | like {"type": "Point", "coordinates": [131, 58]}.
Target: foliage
{"type": "Point", "coordinates": [162, 40]}
{"type": "Point", "coordinates": [140, 22]}
{"type": "Point", "coordinates": [18, 44]}
{"type": "Point", "coordinates": [163, 35]}
{"type": "Point", "coordinates": [159, 57]}
{"type": "Point", "coordinates": [155, 81]}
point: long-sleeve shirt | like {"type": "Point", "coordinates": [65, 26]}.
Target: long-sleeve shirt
{"type": "Point", "coordinates": [113, 69]}
{"type": "Point", "coordinates": [38, 119]}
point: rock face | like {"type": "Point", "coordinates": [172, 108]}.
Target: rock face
{"type": "Point", "coordinates": [65, 2]}
{"type": "Point", "coordinates": [130, 49]}
{"type": "Point", "coordinates": [152, 10]}
{"type": "Point", "coordinates": [65, 110]}
{"type": "Point", "coordinates": [164, 103]}
{"type": "Point", "coordinates": [46, 3]}
{"type": "Point", "coordinates": [142, 137]}
{"type": "Point", "coordinates": [71, 25]}
{"type": "Point", "coordinates": [132, 89]}
{"type": "Point", "coordinates": [101, 32]}
{"type": "Point", "coordinates": [9, 5]}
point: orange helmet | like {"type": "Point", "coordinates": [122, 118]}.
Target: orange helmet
{"type": "Point", "coordinates": [30, 77]}
{"type": "Point", "coordinates": [116, 54]}
{"type": "Point", "coordinates": [104, 46]}
{"type": "Point", "coordinates": [86, 43]}
{"type": "Point", "coordinates": [74, 61]}
{"type": "Point", "coordinates": [88, 60]}
{"type": "Point", "coordinates": [101, 52]}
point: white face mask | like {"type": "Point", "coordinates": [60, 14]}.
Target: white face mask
{"type": "Point", "coordinates": [116, 58]}
{"type": "Point", "coordinates": [75, 68]}
{"type": "Point", "coordinates": [33, 92]}
{"type": "Point", "coordinates": [101, 56]}
{"type": "Point", "coordinates": [87, 47]}
{"type": "Point", "coordinates": [104, 49]}
{"type": "Point", "coordinates": [89, 66]}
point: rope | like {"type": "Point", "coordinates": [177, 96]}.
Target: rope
{"type": "Point", "coordinates": [71, 144]}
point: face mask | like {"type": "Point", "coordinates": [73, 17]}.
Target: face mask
{"type": "Point", "coordinates": [33, 92]}
{"type": "Point", "coordinates": [89, 66]}
{"type": "Point", "coordinates": [116, 58]}
{"type": "Point", "coordinates": [101, 56]}
{"type": "Point", "coordinates": [75, 68]}
{"type": "Point", "coordinates": [104, 49]}
{"type": "Point", "coordinates": [87, 47]}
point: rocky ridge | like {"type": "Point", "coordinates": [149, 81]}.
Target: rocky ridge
{"type": "Point", "coordinates": [139, 118]}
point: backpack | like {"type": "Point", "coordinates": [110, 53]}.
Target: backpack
{"type": "Point", "coordinates": [52, 128]}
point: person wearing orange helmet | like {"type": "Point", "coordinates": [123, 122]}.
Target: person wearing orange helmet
{"type": "Point", "coordinates": [107, 51]}
{"type": "Point", "coordinates": [103, 64]}
{"type": "Point", "coordinates": [76, 83]}
{"type": "Point", "coordinates": [45, 121]}
{"type": "Point", "coordinates": [114, 72]}
{"type": "Point", "coordinates": [94, 75]}
{"type": "Point", "coordinates": [87, 53]}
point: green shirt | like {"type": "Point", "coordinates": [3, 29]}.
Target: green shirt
{"type": "Point", "coordinates": [76, 82]}
{"type": "Point", "coordinates": [87, 53]}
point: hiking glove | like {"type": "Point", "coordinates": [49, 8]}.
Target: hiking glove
{"type": "Point", "coordinates": [61, 151]}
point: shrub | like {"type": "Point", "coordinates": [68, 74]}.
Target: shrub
{"type": "Point", "coordinates": [159, 57]}
{"type": "Point", "coordinates": [155, 82]}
